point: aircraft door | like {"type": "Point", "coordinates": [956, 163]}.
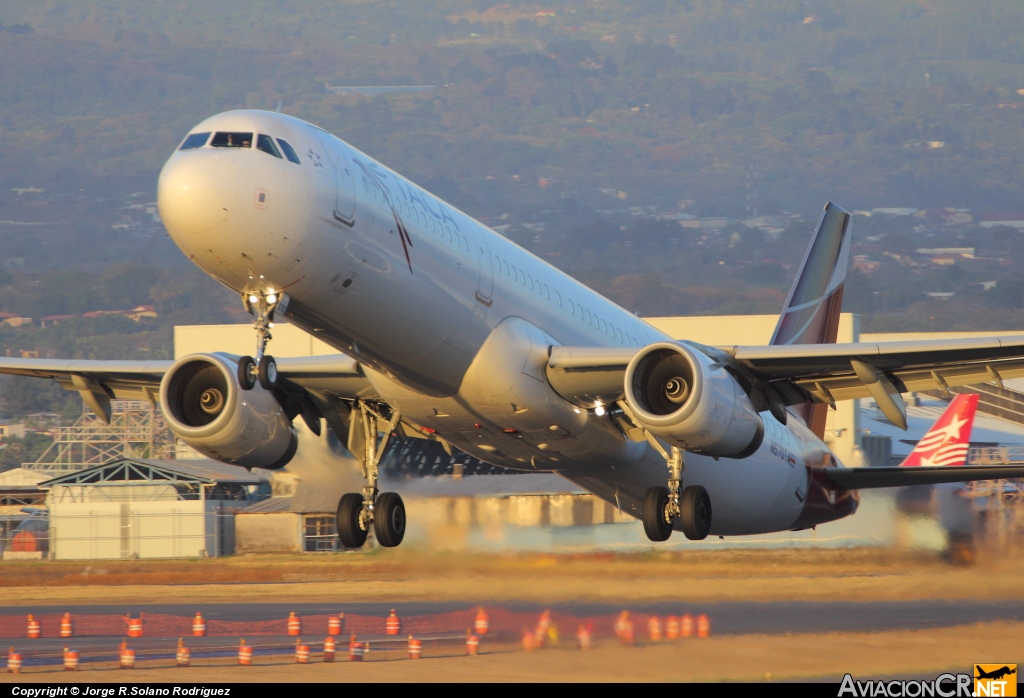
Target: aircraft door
{"type": "Point", "coordinates": [485, 285]}
{"type": "Point", "coordinates": [345, 204]}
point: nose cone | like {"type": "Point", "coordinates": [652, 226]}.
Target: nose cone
{"type": "Point", "coordinates": [195, 192]}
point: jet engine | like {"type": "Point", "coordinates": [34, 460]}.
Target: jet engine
{"type": "Point", "coordinates": [681, 395]}
{"type": "Point", "coordinates": [206, 408]}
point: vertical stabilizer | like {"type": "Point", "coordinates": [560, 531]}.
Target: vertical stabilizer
{"type": "Point", "coordinates": [811, 312]}
{"type": "Point", "coordinates": [946, 443]}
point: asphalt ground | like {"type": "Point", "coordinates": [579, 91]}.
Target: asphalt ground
{"type": "Point", "coordinates": [807, 656]}
{"type": "Point", "coordinates": [727, 617]}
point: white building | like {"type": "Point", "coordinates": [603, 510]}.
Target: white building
{"type": "Point", "coordinates": [138, 508]}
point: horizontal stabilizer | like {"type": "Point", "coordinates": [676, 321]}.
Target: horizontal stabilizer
{"type": "Point", "coordinates": [869, 478]}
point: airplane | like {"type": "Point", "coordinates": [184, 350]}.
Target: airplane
{"type": "Point", "coordinates": [995, 674]}
{"type": "Point", "coordinates": [949, 438]}
{"type": "Point", "coordinates": [449, 332]}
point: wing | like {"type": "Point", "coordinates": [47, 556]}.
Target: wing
{"type": "Point", "coordinates": [325, 380]}
{"type": "Point", "coordinates": [869, 478]}
{"type": "Point", "coordinates": [911, 366]}
{"type": "Point", "coordinates": [820, 373]}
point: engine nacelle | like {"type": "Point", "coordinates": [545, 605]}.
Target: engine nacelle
{"type": "Point", "coordinates": [681, 395]}
{"type": "Point", "coordinates": [205, 407]}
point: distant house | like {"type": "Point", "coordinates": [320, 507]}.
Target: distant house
{"type": "Point", "coordinates": [136, 313]}
{"type": "Point", "coordinates": [895, 211]}
{"type": "Point", "coordinates": [52, 320]}
{"type": "Point", "coordinates": [96, 313]}
{"type": "Point", "coordinates": [15, 321]}
{"type": "Point", "coordinates": [966, 253]}
{"type": "Point", "coordinates": [9, 429]}
{"type": "Point", "coordinates": [1011, 219]}
{"type": "Point", "coordinates": [864, 263]}
{"type": "Point", "coordinates": [140, 312]}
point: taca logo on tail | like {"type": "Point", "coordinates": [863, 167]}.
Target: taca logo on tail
{"type": "Point", "coordinates": [946, 443]}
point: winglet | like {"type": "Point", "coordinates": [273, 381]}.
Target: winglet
{"type": "Point", "coordinates": [946, 443]}
{"type": "Point", "coordinates": [811, 312]}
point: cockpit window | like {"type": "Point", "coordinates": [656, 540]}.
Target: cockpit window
{"type": "Point", "coordinates": [266, 144]}
{"type": "Point", "coordinates": [231, 139]}
{"type": "Point", "coordinates": [289, 152]}
{"type": "Point", "coordinates": [195, 140]}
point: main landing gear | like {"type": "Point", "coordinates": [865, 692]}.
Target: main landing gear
{"type": "Point", "coordinates": [662, 505]}
{"type": "Point", "coordinates": [385, 511]}
{"type": "Point", "coordinates": [263, 368]}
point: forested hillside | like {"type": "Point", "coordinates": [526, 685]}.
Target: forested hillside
{"type": "Point", "coordinates": [673, 154]}
{"type": "Point", "coordinates": [660, 99]}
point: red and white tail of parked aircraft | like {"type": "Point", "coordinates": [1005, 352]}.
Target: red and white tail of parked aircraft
{"type": "Point", "coordinates": [946, 443]}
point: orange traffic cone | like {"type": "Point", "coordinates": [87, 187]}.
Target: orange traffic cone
{"type": "Point", "coordinates": [336, 624]}
{"type": "Point", "coordinates": [183, 655]}
{"type": "Point", "coordinates": [199, 626]}
{"type": "Point", "coordinates": [393, 624]}
{"type": "Point", "coordinates": [244, 654]}
{"type": "Point", "coordinates": [415, 648]}
{"type": "Point", "coordinates": [686, 626]}
{"type": "Point", "coordinates": [672, 628]}
{"type": "Point", "coordinates": [583, 637]}
{"type": "Point", "coordinates": [483, 623]}
{"type": "Point", "coordinates": [472, 644]}
{"type": "Point", "coordinates": [301, 653]}
{"type": "Point", "coordinates": [294, 625]}
{"type": "Point", "coordinates": [329, 647]}
{"type": "Point", "coordinates": [654, 628]}
{"type": "Point", "coordinates": [70, 660]}
{"type": "Point", "coordinates": [34, 629]}
{"type": "Point", "coordinates": [703, 626]}
{"type": "Point", "coordinates": [13, 662]}
{"type": "Point", "coordinates": [126, 656]}
{"type": "Point", "coordinates": [65, 626]}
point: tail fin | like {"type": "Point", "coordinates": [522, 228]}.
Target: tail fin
{"type": "Point", "coordinates": [946, 443]}
{"type": "Point", "coordinates": [811, 313]}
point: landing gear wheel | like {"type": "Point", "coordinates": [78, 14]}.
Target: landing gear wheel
{"type": "Point", "coordinates": [695, 512]}
{"type": "Point", "coordinates": [350, 533]}
{"type": "Point", "coordinates": [246, 379]}
{"type": "Point", "coordinates": [389, 519]}
{"type": "Point", "coordinates": [655, 525]}
{"type": "Point", "coordinates": [268, 372]}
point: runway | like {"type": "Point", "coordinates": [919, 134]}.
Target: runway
{"type": "Point", "coordinates": [728, 618]}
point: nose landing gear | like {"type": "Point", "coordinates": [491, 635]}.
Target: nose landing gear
{"type": "Point", "coordinates": [385, 511]}
{"type": "Point", "coordinates": [263, 368]}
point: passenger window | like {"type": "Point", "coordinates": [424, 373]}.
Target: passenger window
{"type": "Point", "coordinates": [515, 276]}
{"type": "Point", "coordinates": [547, 292]}
{"type": "Point", "coordinates": [590, 319]}
{"type": "Point", "coordinates": [266, 144]}
{"type": "Point", "coordinates": [505, 265]}
{"type": "Point", "coordinates": [195, 140]}
{"type": "Point", "coordinates": [559, 297]}
{"type": "Point", "coordinates": [289, 152]}
{"type": "Point", "coordinates": [572, 307]}
{"type": "Point", "coordinates": [232, 139]}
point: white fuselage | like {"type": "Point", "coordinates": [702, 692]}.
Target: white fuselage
{"type": "Point", "coordinates": [451, 321]}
